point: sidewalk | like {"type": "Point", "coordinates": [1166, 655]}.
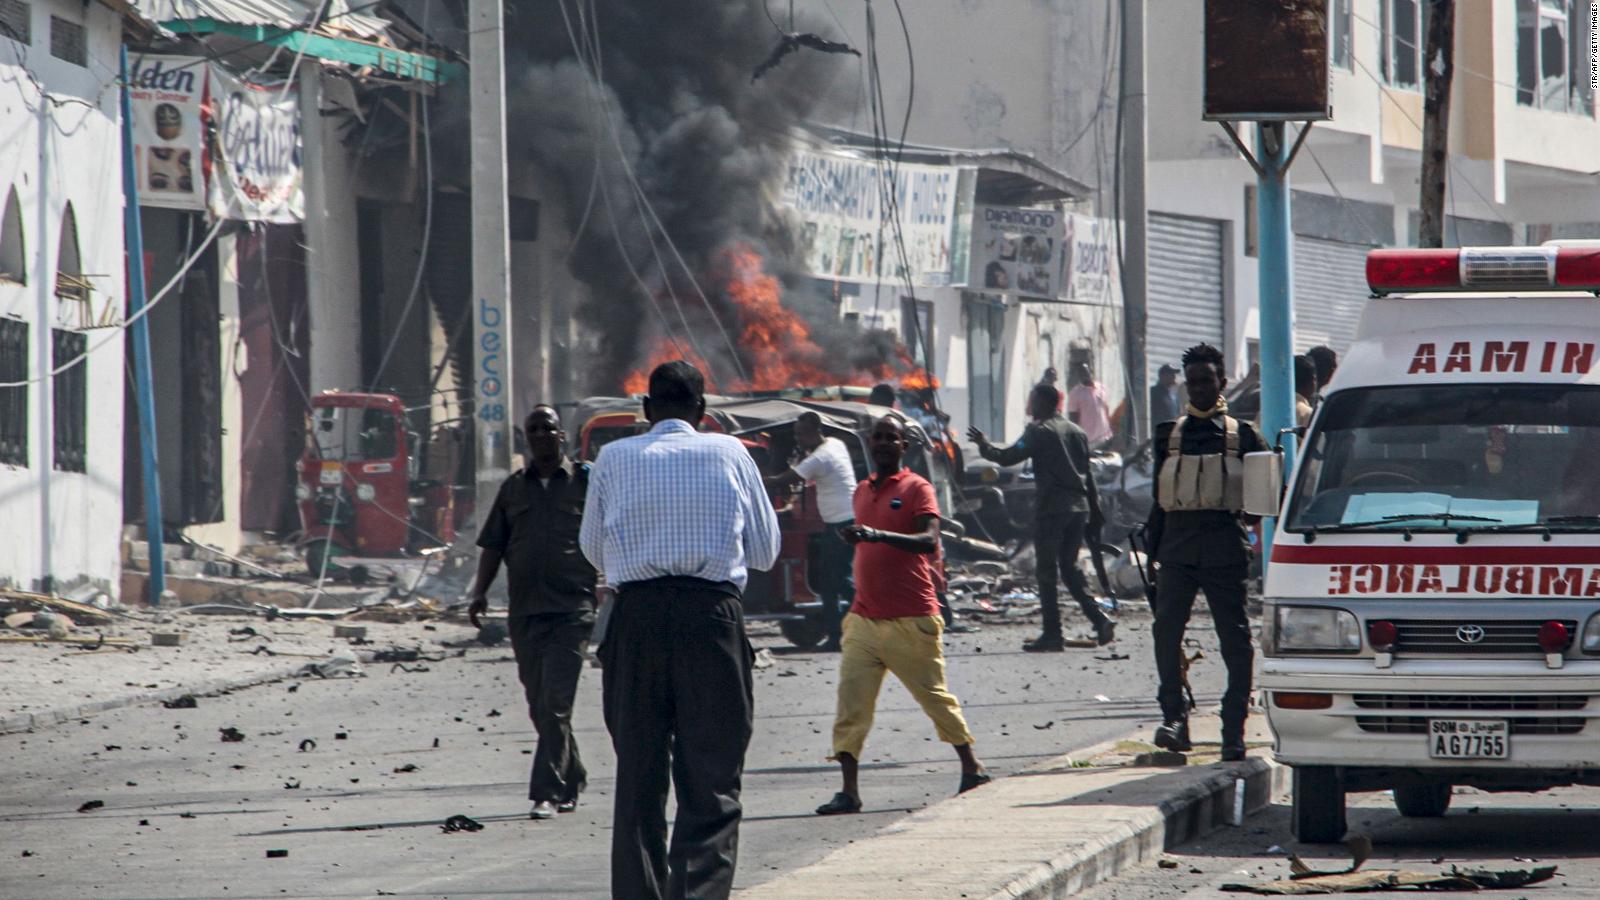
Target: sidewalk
{"type": "Point", "coordinates": [1049, 831]}
{"type": "Point", "coordinates": [50, 683]}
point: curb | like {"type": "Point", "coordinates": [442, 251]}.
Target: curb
{"type": "Point", "coordinates": [28, 721]}
{"type": "Point", "coordinates": [1192, 813]}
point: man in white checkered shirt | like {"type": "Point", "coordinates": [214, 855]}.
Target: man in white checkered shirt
{"type": "Point", "coordinates": [675, 521]}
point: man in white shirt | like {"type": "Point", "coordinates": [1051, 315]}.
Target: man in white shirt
{"type": "Point", "coordinates": [828, 466]}
{"type": "Point", "coordinates": [676, 518]}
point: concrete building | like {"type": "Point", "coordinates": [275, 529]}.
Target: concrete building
{"type": "Point", "coordinates": [61, 291]}
{"type": "Point", "coordinates": [1524, 147]}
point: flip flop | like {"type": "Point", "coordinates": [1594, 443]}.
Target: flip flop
{"type": "Point", "coordinates": [841, 804]}
{"type": "Point", "coordinates": [974, 780]}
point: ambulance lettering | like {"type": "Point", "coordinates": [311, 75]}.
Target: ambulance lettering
{"type": "Point", "coordinates": [1572, 357]}
{"type": "Point", "coordinates": [1409, 578]}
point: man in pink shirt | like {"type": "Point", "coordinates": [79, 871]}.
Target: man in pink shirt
{"type": "Point", "coordinates": [1087, 406]}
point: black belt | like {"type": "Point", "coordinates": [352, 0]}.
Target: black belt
{"type": "Point", "coordinates": [681, 583]}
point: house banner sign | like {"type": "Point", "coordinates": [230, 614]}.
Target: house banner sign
{"type": "Point", "coordinates": [255, 151]}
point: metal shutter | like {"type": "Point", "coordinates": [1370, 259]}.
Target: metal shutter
{"type": "Point", "coordinates": [1330, 288]}
{"type": "Point", "coordinates": [1185, 293]}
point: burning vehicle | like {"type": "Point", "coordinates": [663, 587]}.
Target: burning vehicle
{"type": "Point", "coordinates": [765, 425]}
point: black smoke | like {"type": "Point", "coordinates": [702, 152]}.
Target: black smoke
{"type": "Point", "coordinates": [613, 97]}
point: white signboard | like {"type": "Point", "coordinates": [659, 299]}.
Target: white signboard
{"type": "Point", "coordinates": [168, 95]}
{"type": "Point", "coordinates": [256, 157]}
{"type": "Point", "coordinates": [1017, 251]}
{"type": "Point", "coordinates": [846, 232]}
{"type": "Point", "coordinates": [1089, 261]}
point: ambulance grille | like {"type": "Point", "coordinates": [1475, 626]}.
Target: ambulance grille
{"type": "Point", "coordinates": [1472, 702]}
{"type": "Point", "coordinates": [1499, 636]}
{"type": "Point", "coordinates": [1419, 725]}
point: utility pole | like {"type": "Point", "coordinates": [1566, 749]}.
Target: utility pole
{"type": "Point", "coordinates": [1275, 272]}
{"type": "Point", "coordinates": [139, 336]}
{"type": "Point", "coordinates": [492, 406]}
{"type": "Point", "coordinates": [1135, 215]}
{"type": "Point", "coordinates": [1439, 67]}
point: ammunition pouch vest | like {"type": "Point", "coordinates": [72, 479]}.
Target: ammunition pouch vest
{"type": "Point", "coordinates": [1202, 481]}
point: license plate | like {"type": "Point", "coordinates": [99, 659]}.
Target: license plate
{"type": "Point", "coordinates": [332, 473]}
{"type": "Point", "coordinates": [1469, 739]}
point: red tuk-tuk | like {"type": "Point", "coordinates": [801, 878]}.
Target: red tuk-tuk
{"type": "Point", "coordinates": [369, 487]}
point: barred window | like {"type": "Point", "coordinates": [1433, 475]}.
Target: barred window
{"type": "Point", "coordinates": [16, 21]}
{"type": "Point", "coordinates": [71, 399]}
{"type": "Point", "coordinates": [13, 400]}
{"type": "Point", "coordinates": [68, 41]}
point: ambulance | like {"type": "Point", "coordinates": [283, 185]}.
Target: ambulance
{"type": "Point", "coordinates": [1432, 601]}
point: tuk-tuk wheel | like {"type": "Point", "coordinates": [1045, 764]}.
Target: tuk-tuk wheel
{"type": "Point", "coordinates": [803, 633]}
{"type": "Point", "coordinates": [316, 550]}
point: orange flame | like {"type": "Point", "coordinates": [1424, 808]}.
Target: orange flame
{"type": "Point", "coordinates": [776, 344]}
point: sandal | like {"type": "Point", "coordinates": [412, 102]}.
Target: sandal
{"type": "Point", "coordinates": [841, 804]}
{"type": "Point", "coordinates": [975, 780]}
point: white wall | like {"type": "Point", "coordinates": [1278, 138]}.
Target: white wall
{"type": "Point", "coordinates": [61, 524]}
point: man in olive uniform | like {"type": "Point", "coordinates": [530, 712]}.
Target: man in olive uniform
{"type": "Point", "coordinates": [1200, 542]}
{"type": "Point", "coordinates": [1066, 510]}
{"type": "Point", "coordinates": [533, 527]}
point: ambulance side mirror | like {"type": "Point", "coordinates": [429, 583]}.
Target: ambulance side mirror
{"type": "Point", "coordinates": [1263, 482]}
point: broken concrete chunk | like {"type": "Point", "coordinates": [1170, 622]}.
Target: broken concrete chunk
{"type": "Point", "coordinates": [231, 735]}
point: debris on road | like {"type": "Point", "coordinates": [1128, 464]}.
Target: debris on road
{"type": "Point", "coordinates": [339, 665]}
{"type": "Point", "coordinates": [1373, 880]}
{"type": "Point", "coordinates": [167, 638]}
{"type": "Point", "coordinates": [231, 735]}
{"type": "Point", "coordinates": [307, 744]}
{"type": "Point", "coordinates": [764, 659]}
{"type": "Point", "coordinates": [460, 823]}
{"type": "Point", "coordinates": [408, 767]}
{"type": "Point", "coordinates": [91, 805]}
{"type": "Point", "coordinates": [277, 854]}
{"type": "Point", "coordinates": [187, 701]}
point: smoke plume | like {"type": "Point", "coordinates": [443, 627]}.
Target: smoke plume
{"type": "Point", "coordinates": [673, 115]}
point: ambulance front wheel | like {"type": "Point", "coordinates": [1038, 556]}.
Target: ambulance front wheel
{"type": "Point", "coordinates": [1422, 801]}
{"type": "Point", "coordinates": [1318, 804]}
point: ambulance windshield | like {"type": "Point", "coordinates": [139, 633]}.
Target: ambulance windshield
{"type": "Point", "coordinates": [1452, 458]}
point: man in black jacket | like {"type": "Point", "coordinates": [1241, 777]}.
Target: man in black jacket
{"type": "Point", "coordinates": [1202, 549]}
{"type": "Point", "coordinates": [1066, 506]}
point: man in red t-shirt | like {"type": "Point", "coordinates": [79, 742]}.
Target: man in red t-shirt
{"type": "Point", "coordinates": [894, 625]}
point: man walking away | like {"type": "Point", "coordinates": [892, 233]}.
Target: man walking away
{"type": "Point", "coordinates": [828, 466]}
{"type": "Point", "coordinates": [1199, 541]}
{"type": "Point", "coordinates": [1166, 397]}
{"type": "Point", "coordinates": [533, 527]}
{"type": "Point", "coordinates": [894, 625]}
{"type": "Point", "coordinates": [676, 520]}
{"type": "Point", "coordinates": [1066, 506]}
{"type": "Point", "coordinates": [1087, 406]}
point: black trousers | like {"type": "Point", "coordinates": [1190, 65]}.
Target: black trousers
{"type": "Point", "coordinates": [678, 703]}
{"type": "Point", "coordinates": [831, 575]}
{"type": "Point", "coordinates": [1224, 587]}
{"type": "Point", "coordinates": [549, 651]}
{"type": "Point", "coordinates": [1056, 541]}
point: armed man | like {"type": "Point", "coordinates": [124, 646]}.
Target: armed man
{"type": "Point", "coordinates": [1200, 541]}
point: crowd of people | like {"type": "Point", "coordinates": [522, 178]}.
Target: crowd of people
{"type": "Point", "coordinates": [646, 555]}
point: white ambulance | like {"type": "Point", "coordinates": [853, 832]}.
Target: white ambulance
{"type": "Point", "coordinates": [1432, 609]}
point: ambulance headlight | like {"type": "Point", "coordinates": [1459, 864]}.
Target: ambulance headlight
{"type": "Point", "coordinates": [302, 491]}
{"type": "Point", "coordinates": [1591, 634]}
{"type": "Point", "coordinates": [365, 492]}
{"type": "Point", "coordinates": [1307, 628]}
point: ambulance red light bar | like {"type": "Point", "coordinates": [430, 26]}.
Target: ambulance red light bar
{"type": "Point", "coordinates": [1484, 269]}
